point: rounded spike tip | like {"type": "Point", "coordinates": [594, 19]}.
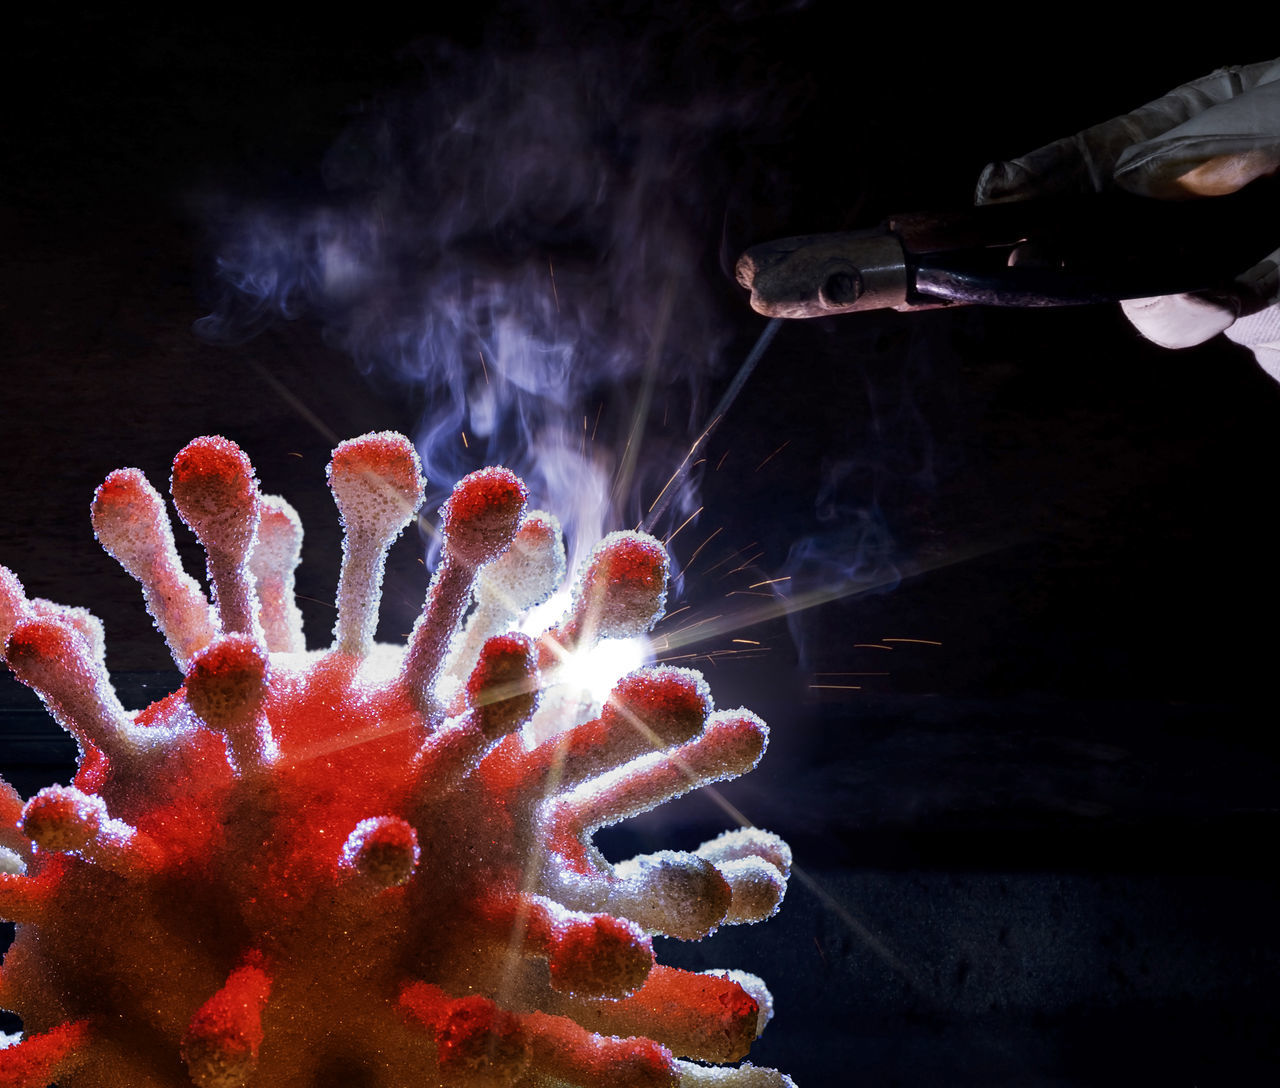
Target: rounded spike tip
{"type": "Point", "coordinates": [216, 493]}
{"type": "Point", "coordinates": [503, 687]}
{"type": "Point", "coordinates": [382, 849]}
{"type": "Point", "coordinates": [275, 555]}
{"type": "Point", "coordinates": [221, 1044]}
{"type": "Point", "coordinates": [13, 604]}
{"type": "Point", "coordinates": [668, 704]}
{"type": "Point", "coordinates": [226, 682]}
{"type": "Point", "coordinates": [623, 589]}
{"type": "Point", "coordinates": [226, 686]}
{"type": "Point", "coordinates": [128, 515]}
{"type": "Point", "coordinates": [529, 571]}
{"type": "Point", "coordinates": [481, 516]}
{"type": "Point", "coordinates": [215, 888]}
{"type": "Point", "coordinates": [377, 482]}
{"type": "Point", "coordinates": [601, 956]}
{"type": "Point", "coordinates": [61, 818]}
{"type": "Point", "coordinates": [130, 522]}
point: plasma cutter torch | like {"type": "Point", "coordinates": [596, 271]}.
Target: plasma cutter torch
{"type": "Point", "coordinates": [1053, 252]}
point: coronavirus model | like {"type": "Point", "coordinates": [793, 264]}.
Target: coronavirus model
{"type": "Point", "coordinates": [368, 866]}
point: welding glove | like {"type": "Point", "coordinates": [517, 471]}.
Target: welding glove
{"type": "Point", "coordinates": [1206, 138]}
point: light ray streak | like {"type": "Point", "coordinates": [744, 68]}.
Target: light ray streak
{"type": "Point", "coordinates": [295, 402]}
{"type": "Point", "coordinates": [691, 626]}
{"type": "Point", "coordinates": [872, 942]}
{"type": "Point", "coordinates": [631, 452]}
{"type": "Point", "coordinates": [921, 641]}
{"type": "Point", "coordinates": [859, 929]}
{"type": "Point", "coordinates": [777, 607]}
{"type": "Point", "coordinates": [715, 626]}
{"type": "Point", "coordinates": [717, 414]}
{"type": "Point", "coordinates": [534, 863]}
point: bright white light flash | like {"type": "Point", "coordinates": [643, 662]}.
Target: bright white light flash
{"type": "Point", "coordinates": [595, 669]}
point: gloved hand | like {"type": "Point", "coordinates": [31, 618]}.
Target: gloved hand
{"type": "Point", "coordinates": [1206, 138]}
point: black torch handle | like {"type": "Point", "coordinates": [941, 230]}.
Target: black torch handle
{"type": "Point", "coordinates": [1103, 248]}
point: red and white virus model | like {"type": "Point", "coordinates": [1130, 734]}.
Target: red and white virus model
{"type": "Point", "coordinates": [361, 866]}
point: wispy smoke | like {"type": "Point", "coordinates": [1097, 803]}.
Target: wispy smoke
{"type": "Point", "coordinates": [874, 505]}
{"type": "Point", "coordinates": [527, 238]}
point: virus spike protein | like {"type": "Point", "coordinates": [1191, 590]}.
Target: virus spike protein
{"type": "Point", "coordinates": [295, 870]}
{"type": "Point", "coordinates": [272, 562]}
{"type": "Point", "coordinates": [377, 483]}
{"type": "Point", "coordinates": [130, 522]}
{"type": "Point", "coordinates": [216, 494]}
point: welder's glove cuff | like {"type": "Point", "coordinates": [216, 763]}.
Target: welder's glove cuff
{"type": "Point", "coordinates": [1177, 321]}
{"type": "Point", "coordinates": [1260, 333]}
{"type": "Point", "coordinates": [1181, 321]}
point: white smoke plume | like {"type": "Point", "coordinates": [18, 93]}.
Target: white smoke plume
{"type": "Point", "coordinates": [527, 239]}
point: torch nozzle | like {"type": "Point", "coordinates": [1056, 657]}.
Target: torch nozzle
{"type": "Point", "coordinates": [818, 274]}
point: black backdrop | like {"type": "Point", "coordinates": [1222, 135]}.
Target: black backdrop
{"type": "Point", "coordinates": [1037, 846]}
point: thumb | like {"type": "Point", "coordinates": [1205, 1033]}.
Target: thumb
{"type": "Point", "coordinates": [1178, 321]}
{"type": "Point", "coordinates": [1213, 153]}
{"type": "Point", "coordinates": [1249, 307]}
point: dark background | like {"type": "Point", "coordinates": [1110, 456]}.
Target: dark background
{"type": "Point", "coordinates": [1037, 847]}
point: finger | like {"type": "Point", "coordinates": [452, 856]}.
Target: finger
{"type": "Point", "coordinates": [1240, 310]}
{"type": "Point", "coordinates": [1216, 151]}
{"type": "Point", "coordinates": [1177, 321]}
{"type": "Point", "coordinates": [1086, 162]}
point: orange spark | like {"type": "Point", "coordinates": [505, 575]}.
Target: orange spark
{"type": "Point", "coordinates": [686, 521]}
{"type": "Point", "coordinates": [699, 548]}
{"type": "Point", "coordinates": [773, 455]}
